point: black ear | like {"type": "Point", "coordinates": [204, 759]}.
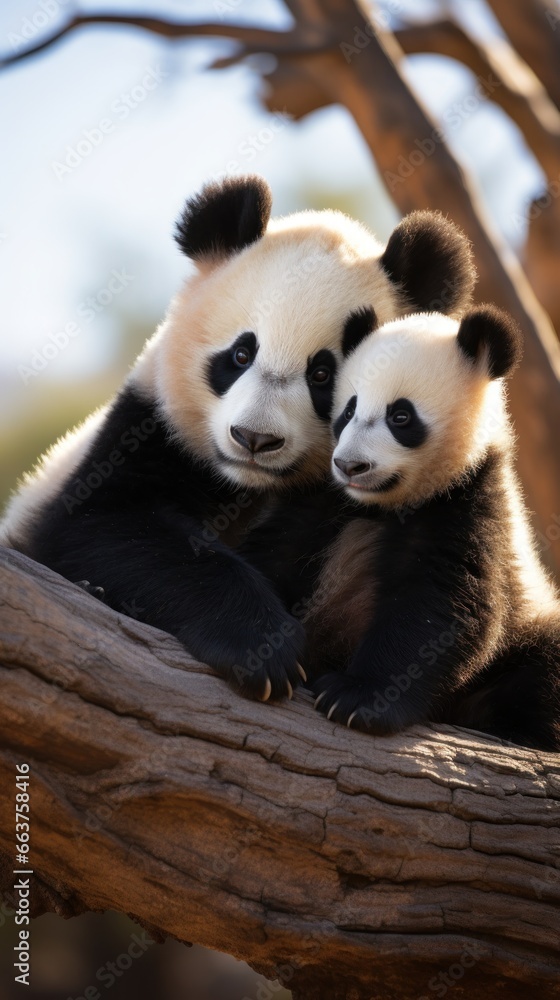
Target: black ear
{"type": "Point", "coordinates": [357, 326]}
{"type": "Point", "coordinates": [431, 259]}
{"type": "Point", "coordinates": [224, 218]}
{"type": "Point", "coordinates": [490, 330]}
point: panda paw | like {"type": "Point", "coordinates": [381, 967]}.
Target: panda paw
{"type": "Point", "coordinates": [270, 667]}
{"type": "Point", "coordinates": [354, 702]}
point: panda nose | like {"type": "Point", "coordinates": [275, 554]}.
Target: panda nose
{"type": "Point", "coordinates": [255, 442]}
{"type": "Point", "coordinates": [352, 468]}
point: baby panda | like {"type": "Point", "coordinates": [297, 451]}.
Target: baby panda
{"type": "Point", "coordinates": [227, 406]}
{"type": "Point", "coordinates": [432, 604]}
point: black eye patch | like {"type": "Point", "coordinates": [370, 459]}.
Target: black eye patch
{"type": "Point", "coordinates": [405, 425]}
{"type": "Point", "coordinates": [227, 366]}
{"type": "Point", "coordinates": [345, 417]}
{"type": "Point", "coordinates": [320, 377]}
{"type": "Point", "coordinates": [357, 326]}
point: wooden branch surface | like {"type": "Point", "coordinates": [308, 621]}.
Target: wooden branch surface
{"type": "Point", "coordinates": [332, 860]}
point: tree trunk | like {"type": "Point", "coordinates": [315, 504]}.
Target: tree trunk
{"type": "Point", "coordinates": [345, 865]}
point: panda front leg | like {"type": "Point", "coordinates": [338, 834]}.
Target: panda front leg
{"type": "Point", "coordinates": [167, 575]}
{"type": "Point", "coordinates": [406, 667]}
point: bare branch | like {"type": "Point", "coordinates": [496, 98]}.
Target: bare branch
{"type": "Point", "coordinates": [254, 39]}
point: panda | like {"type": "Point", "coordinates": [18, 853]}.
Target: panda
{"type": "Point", "coordinates": [226, 407]}
{"type": "Point", "coordinates": [432, 604]}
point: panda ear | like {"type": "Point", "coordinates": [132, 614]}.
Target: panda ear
{"type": "Point", "coordinates": [224, 218]}
{"type": "Point", "coordinates": [493, 333]}
{"type": "Point", "coordinates": [431, 259]}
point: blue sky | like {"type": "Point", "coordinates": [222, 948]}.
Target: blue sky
{"type": "Point", "coordinates": [168, 126]}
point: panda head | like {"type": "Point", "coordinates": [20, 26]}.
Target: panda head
{"type": "Point", "coordinates": [245, 365]}
{"type": "Point", "coordinates": [419, 403]}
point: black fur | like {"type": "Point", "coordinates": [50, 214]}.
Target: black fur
{"type": "Point", "coordinates": [143, 519]}
{"type": "Point", "coordinates": [345, 417]}
{"type": "Point", "coordinates": [224, 218]}
{"type": "Point", "coordinates": [493, 331]}
{"type": "Point", "coordinates": [357, 326]}
{"type": "Point", "coordinates": [223, 370]}
{"type": "Point", "coordinates": [290, 544]}
{"type": "Point", "coordinates": [414, 433]}
{"type": "Point", "coordinates": [443, 588]}
{"type": "Point", "coordinates": [322, 392]}
{"type": "Point", "coordinates": [432, 262]}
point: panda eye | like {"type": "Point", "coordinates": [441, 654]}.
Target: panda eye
{"type": "Point", "coordinates": [321, 375]}
{"type": "Point", "coordinates": [241, 357]}
{"type": "Point", "coordinates": [400, 418]}
{"type": "Point", "coordinates": [349, 412]}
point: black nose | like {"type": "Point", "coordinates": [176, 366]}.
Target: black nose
{"type": "Point", "coordinates": [351, 468]}
{"type": "Point", "coordinates": [255, 442]}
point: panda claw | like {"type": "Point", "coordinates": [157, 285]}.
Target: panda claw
{"type": "Point", "coordinates": [353, 716]}
{"type": "Point", "coordinates": [290, 690]}
{"type": "Point", "coordinates": [301, 672]}
{"type": "Point", "coordinates": [332, 709]}
{"type": "Point", "coordinates": [267, 690]}
{"type": "Point", "coordinates": [317, 700]}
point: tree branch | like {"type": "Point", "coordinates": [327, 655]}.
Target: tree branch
{"type": "Point", "coordinates": [253, 39]}
{"type": "Point", "coordinates": [332, 860]}
{"type": "Point", "coordinates": [533, 27]}
{"type": "Point", "coordinates": [518, 92]}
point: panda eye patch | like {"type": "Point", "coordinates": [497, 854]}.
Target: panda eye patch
{"type": "Point", "coordinates": [345, 417]}
{"type": "Point", "coordinates": [320, 376]}
{"type": "Point", "coordinates": [225, 367]}
{"type": "Point", "coordinates": [405, 425]}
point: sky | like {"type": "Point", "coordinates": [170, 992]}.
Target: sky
{"type": "Point", "coordinates": [107, 133]}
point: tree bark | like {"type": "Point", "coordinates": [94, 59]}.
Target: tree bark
{"type": "Point", "coordinates": [533, 29]}
{"type": "Point", "coordinates": [342, 864]}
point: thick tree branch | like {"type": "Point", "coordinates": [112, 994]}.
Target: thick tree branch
{"type": "Point", "coordinates": [518, 91]}
{"type": "Point", "coordinates": [533, 27]}
{"type": "Point", "coordinates": [333, 860]}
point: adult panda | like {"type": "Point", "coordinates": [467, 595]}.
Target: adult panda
{"type": "Point", "coordinates": [432, 604]}
{"type": "Point", "coordinates": [228, 403]}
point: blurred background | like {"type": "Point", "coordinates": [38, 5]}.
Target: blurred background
{"type": "Point", "coordinates": [107, 132]}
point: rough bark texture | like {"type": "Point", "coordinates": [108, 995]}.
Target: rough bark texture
{"type": "Point", "coordinates": [345, 865]}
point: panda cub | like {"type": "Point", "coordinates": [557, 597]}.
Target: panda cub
{"type": "Point", "coordinates": [227, 407]}
{"type": "Point", "coordinates": [432, 604]}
